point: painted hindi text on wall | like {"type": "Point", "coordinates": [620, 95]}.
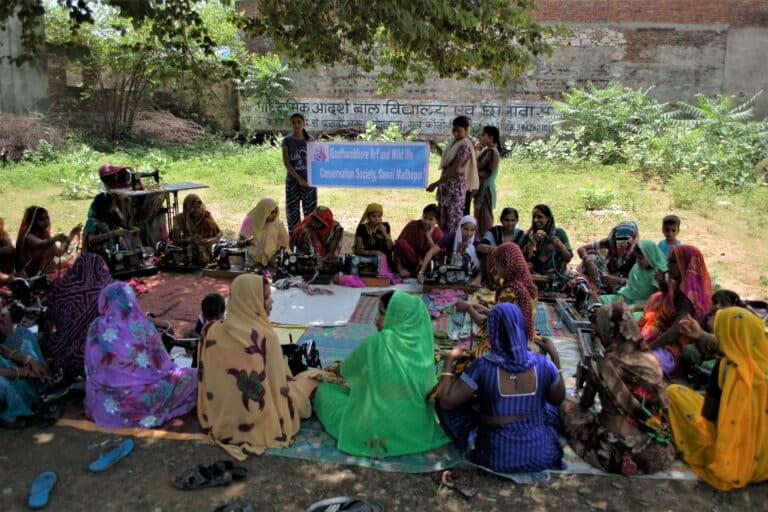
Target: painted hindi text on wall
{"type": "Point", "coordinates": [514, 118]}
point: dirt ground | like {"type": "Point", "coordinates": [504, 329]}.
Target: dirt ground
{"type": "Point", "coordinates": [141, 482]}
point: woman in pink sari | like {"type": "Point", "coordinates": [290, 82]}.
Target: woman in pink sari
{"type": "Point", "coordinates": [130, 378]}
{"type": "Point", "coordinates": [689, 292]}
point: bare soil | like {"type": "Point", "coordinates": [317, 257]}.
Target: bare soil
{"type": "Point", "coordinates": [141, 482]}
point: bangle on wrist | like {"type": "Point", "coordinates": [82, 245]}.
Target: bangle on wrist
{"type": "Point", "coordinates": [447, 374]}
{"type": "Point", "coordinates": [18, 373]}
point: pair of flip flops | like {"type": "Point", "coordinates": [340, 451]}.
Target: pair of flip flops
{"type": "Point", "coordinates": [41, 487]}
{"type": "Point", "coordinates": [203, 476]}
{"type": "Point", "coordinates": [345, 504]}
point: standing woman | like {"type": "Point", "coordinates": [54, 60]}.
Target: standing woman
{"type": "Point", "coordinates": [456, 165]}
{"type": "Point", "coordinates": [546, 247]}
{"type": "Point", "coordinates": [297, 190]}
{"type": "Point", "coordinates": [487, 168]}
{"type": "Point", "coordinates": [35, 247]}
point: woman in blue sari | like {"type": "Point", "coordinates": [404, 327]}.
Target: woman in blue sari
{"type": "Point", "coordinates": [506, 400]}
{"type": "Point", "coordinates": [23, 375]}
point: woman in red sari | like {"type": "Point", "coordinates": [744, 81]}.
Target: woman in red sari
{"type": "Point", "coordinates": [689, 292]}
{"type": "Point", "coordinates": [318, 234]}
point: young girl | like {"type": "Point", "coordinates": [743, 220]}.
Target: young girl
{"type": "Point", "coordinates": [297, 190]}
{"type": "Point", "coordinates": [457, 164]}
{"type": "Point", "coordinates": [373, 234]}
{"type": "Point", "coordinates": [458, 245]}
{"type": "Point", "coordinates": [487, 168]}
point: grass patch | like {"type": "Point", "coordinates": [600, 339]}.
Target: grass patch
{"type": "Point", "coordinates": [727, 227]}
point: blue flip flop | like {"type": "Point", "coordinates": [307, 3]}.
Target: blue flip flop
{"type": "Point", "coordinates": [111, 458]}
{"type": "Point", "coordinates": [40, 489]}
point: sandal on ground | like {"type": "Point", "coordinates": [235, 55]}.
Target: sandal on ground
{"type": "Point", "coordinates": [109, 459]}
{"type": "Point", "coordinates": [40, 489]}
{"type": "Point", "coordinates": [237, 506]}
{"type": "Point", "coordinates": [453, 481]}
{"type": "Point", "coordinates": [344, 504]}
{"type": "Point", "coordinates": [238, 472]}
{"type": "Point", "coordinates": [202, 476]}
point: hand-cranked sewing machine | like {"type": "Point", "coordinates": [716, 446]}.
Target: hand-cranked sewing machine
{"type": "Point", "coordinates": [451, 273]}
{"type": "Point", "coordinates": [232, 256]}
{"type": "Point", "coordinates": [124, 263]}
{"type": "Point", "coordinates": [183, 257]}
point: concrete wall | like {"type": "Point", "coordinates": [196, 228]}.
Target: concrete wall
{"type": "Point", "coordinates": [22, 89]}
{"type": "Point", "coordinates": [680, 47]}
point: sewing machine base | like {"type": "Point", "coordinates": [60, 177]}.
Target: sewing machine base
{"type": "Point", "coordinates": [571, 318]}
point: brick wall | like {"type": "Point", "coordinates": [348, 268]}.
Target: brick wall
{"type": "Point", "coordinates": [735, 13]}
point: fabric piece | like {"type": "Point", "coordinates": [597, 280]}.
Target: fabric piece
{"type": "Point", "coordinates": [130, 378]}
{"type": "Point", "coordinates": [72, 306]}
{"type": "Point", "coordinates": [734, 451]}
{"type": "Point", "coordinates": [248, 399]}
{"type": "Point", "coordinates": [266, 237]}
{"type": "Point", "coordinates": [389, 375]}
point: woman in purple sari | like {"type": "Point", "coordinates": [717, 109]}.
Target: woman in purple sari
{"type": "Point", "coordinates": [131, 380]}
{"type": "Point", "coordinates": [72, 306]}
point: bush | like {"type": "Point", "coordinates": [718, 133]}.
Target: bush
{"type": "Point", "coordinates": [713, 140]}
{"type": "Point", "coordinates": [27, 137]}
{"type": "Point", "coordinates": [596, 197]}
{"type": "Point", "coordinates": [391, 133]}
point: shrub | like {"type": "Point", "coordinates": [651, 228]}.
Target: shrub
{"type": "Point", "coordinates": [391, 133]}
{"type": "Point", "coordinates": [596, 197]}
{"type": "Point", "coordinates": [27, 137]}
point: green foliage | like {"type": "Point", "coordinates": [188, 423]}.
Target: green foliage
{"type": "Point", "coordinates": [265, 78]}
{"type": "Point", "coordinates": [596, 197]}
{"type": "Point", "coordinates": [713, 141]}
{"type": "Point", "coordinates": [391, 133]}
{"type": "Point", "coordinates": [400, 40]}
{"type": "Point", "coordinates": [124, 62]}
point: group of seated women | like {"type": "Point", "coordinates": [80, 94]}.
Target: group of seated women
{"type": "Point", "coordinates": [504, 404]}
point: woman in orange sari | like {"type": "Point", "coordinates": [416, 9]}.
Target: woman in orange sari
{"type": "Point", "coordinates": [318, 234]}
{"type": "Point", "coordinates": [723, 436]}
{"type": "Point", "coordinates": [689, 292]}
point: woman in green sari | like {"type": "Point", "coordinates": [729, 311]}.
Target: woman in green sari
{"type": "Point", "coordinates": [643, 279]}
{"type": "Point", "coordinates": [384, 411]}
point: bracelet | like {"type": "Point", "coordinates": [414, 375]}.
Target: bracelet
{"type": "Point", "coordinates": [421, 273]}
{"type": "Point", "coordinates": [447, 374]}
{"type": "Point", "coordinates": [27, 360]}
{"type": "Point", "coordinates": [18, 373]}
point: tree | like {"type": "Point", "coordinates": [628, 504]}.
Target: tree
{"type": "Point", "coordinates": [123, 62]}
{"type": "Point", "coordinates": [399, 40]}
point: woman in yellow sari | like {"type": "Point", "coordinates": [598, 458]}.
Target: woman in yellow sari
{"type": "Point", "coordinates": [264, 232]}
{"type": "Point", "coordinates": [247, 399]}
{"type": "Point", "coordinates": [724, 436]}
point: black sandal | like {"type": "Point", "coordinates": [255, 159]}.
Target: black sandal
{"type": "Point", "coordinates": [237, 506]}
{"type": "Point", "coordinates": [238, 472]}
{"type": "Point", "coordinates": [344, 504]}
{"type": "Point", "coordinates": [202, 476]}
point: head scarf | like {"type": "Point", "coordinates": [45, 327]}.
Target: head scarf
{"type": "Point", "coordinates": [616, 327]}
{"type": "Point", "coordinates": [130, 378]}
{"type": "Point", "coordinates": [517, 277]}
{"type": "Point", "coordinates": [325, 216]}
{"type": "Point", "coordinates": [268, 238]}
{"type": "Point", "coordinates": [626, 231]}
{"type": "Point", "coordinates": [551, 227]}
{"type": "Point", "coordinates": [203, 225]}
{"type": "Point", "coordinates": [248, 399]}
{"type": "Point", "coordinates": [72, 306]}
{"type": "Point", "coordinates": [462, 247]}
{"type": "Point", "coordinates": [653, 254]}
{"type": "Point", "coordinates": [371, 208]}
{"type": "Point", "coordinates": [508, 339]}
{"type": "Point", "coordinates": [695, 282]}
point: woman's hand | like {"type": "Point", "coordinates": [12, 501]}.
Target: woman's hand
{"type": "Point", "coordinates": [462, 306]}
{"type": "Point", "coordinates": [690, 327]}
{"type": "Point", "coordinates": [420, 277]}
{"type": "Point", "coordinates": [547, 347]}
{"type": "Point", "coordinates": [303, 183]}
{"type": "Point", "coordinates": [432, 186]}
{"type": "Point", "coordinates": [38, 371]}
